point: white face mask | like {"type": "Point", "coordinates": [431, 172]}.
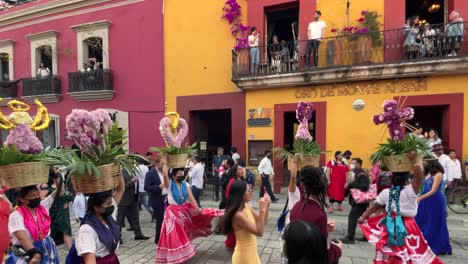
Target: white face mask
{"type": "Point", "coordinates": [352, 166]}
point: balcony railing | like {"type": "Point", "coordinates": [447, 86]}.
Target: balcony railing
{"type": "Point", "coordinates": [37, 86]}
{"type": "Point", "coordinates": [381, 47]}
{"type": "Point", "coordinates": [9, 89]}
{"type": "Point", "coordinates": [92, 85]}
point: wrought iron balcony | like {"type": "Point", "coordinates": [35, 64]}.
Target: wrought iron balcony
{"type": "Point", "coordinates": [8, 91]}
{"type": "Point", "coordinates": [46, 89]}
{"type": "Point", "coordinates": [93, 85]}
{"type": "Point", "coordinates": [405, 52]}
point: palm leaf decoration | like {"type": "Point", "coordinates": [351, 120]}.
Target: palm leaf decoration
{"type": "Point", "coordinates": [398, 147]}
{"type": "Point", "coordinates": [301, 149]}
{"type": "Point", "coordinates": [51, 156]}
{"type": "Point", "coordinates": [171, 150]}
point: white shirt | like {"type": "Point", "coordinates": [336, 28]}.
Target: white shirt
{"type": "Point", "coordinates": [196, 174]}
{"type": "Point", "coordinates": [235, 156]}
{"type": "Point", "coordinates": [79, 206]}
{"type": "Point", "coordinates": [43, 72]}
{"type": "Point", "coordinates": [251, 39]}
{"type": "Point", "coordinates": [170, 198]}
{"type": "Point", "coordinates": [315, 29]}
{"type": "Point", "coordinates": [161, 178]}
{"type": "Point", "coordinates": [16, 221]}
{"type": "Point", "coordinates": [87, 241]}
{"type": "Point", "coordinates": [455, 169]}
{"type": "Point", "coordinates": [141, 175]}
{"type": "Point", "coordinates": [444, 161]}
{"type": "Point", "coordinates": [265, 167]}
{"type": "Point", "coordinates": [431, 143]}
{"type": "Point", "coordinates": [408, 201]}
{"type": "Point", "coordinates": [293, 198]}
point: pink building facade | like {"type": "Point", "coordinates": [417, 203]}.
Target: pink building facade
{"type": "Point", "coordinates": [124, 36]}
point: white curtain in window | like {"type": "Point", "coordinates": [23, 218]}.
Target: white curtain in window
{"type": "Point", "coordinates": [48, 135]}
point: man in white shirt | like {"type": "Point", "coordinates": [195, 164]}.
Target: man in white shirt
{"type": "Point", "coordinates": [444, 160]}
{"type": "Point", "coordinates": [235, 155]}
{"type": "Point", "coordinates": [266, 169]}
{"type": "Point", "coordinates": [196, 174]}
{"type": "Point", "coordinates": [455, 170]}
{"type": "Point", "coordinates": [315, 34]}
{"type": "Point", "coordinates": [79, 207]}
{"type": "Point", "coordinates": [142, 194]}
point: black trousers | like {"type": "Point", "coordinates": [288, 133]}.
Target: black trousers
{"type": "Point", "coordinates": [312, 46]}
{"type": "Point", "coordinates": [159, 215]}
{"type": "Point", "coordinates": [356, 211]}
{"type": "Point", "coordinates": [133, 215]}
{"type": "Point", "coordinates": [266, 185]}
{"type": "Point", "coordinates": [216, 187]}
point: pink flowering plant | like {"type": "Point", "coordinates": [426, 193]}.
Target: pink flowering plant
{"type": "Point", "coordinates": [395, 119]}
{"type": "Point", "coordinates": [367, 24]}
{"type": "Point", "coordinates": [100, 142]}
{"type": "Point", "coordinates": [173, 130]}
{"type": "Point", "coordinates": [304, 144]}
{"type": "Point", "coordinates": [232, 13]}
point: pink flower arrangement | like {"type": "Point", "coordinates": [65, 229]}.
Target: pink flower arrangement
{"type": "Point", "coordinates": [394, 118]}
{"type": "Point", "coordinates": [25, 140]}
{"type": "Point", "coordinates": [233, 14]}
{"type": "Point", "coordinates": [168, 134]}
{"type": "Point", "coordinates": [304, 112]}
{"type": "Point", "coordinates": [88, 129]}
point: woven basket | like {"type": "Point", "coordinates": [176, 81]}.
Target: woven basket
{"type": "Point", "coordinates": [308, 160]}
{"type": "Point", "coordinates": [25, 174]}
{"type": "Point", "coordinates": [400, 163]}
{"type": "Point", "coordinates": [108, 180]}
{"type": "Point", "coordinates": [177, 160]}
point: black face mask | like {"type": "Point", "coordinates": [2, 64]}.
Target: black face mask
{"type": "Point", "coordinates": [180, 178]}
{"type": "Point", "coordinates": [34, 203]}
{"type": "Point", "coordinates": [108, 212]}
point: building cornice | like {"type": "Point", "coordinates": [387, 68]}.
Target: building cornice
{"type": "Point", "coordinates": [42, 35]}
{"type": "Point", "coordinates": [45, 9]}
{"type": "Point", "coordinates": [435, 67]}
{"type": "Point", "coordinates": [7, 43]}
{"type": "Point", "coordinates": [92, 26]}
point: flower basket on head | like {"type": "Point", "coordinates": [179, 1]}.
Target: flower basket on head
{"type": "Point", "coordinates": [173, 130]}
{"type": "Point", "coordinates": [97, 166]}
{"type": "Point", "coordinates": [23, 159]}
{"type": "Point", "coordinates": [305, 152]}
{"type": "Point", "coordinates": [394, 153]}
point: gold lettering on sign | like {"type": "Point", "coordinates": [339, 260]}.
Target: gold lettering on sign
{"type": "Point", "coordinates": [349, 89]}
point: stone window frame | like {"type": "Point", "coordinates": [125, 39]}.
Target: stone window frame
{"type": "Point", "coordinates": [47, 38]}
{"type": "Point", "coordinates": [98, 29]}
{"type": "Point", "coordinates": [7, 46]}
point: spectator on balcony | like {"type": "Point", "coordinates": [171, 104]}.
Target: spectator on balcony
{"type": "Point", "coordinates": [315, 34]}
{"type": "Point", "coordinates": [43, 71]}
{"type": "Point", "coordinates": [275, 53]}
{"type": "Point", "coordinates": [296, 42]}
{"type": "Point", "coordinates": [98, 66]}
{"type": "Point", "coordinates": [428, 37]}
{"type": "Point", "coordinates": [455, 32]}
{"type": "Point", "coordinates": [254, 52]}
{"type": "Point", "coordinates": [412, 42]}
{"type": "Point", "coordinates": [85, 68]}
{"type": "Point", "coordinates": [286, 56]}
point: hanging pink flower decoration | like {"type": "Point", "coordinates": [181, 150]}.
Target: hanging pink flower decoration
{"type": "Point", "coordinates": [171, 138]}
{"type": "Point", "coordinates": [304, 112]}
{"type": "Point", "coordinates": [25, 140]}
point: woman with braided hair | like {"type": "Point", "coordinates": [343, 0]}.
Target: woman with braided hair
{"type": "Point", "coordinates": [311, 206]}
{"type": "Point", "coordinates": [396, 235]}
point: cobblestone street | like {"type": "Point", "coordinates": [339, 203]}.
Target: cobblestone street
{"type": "Point", "coordinates": [212, 249]}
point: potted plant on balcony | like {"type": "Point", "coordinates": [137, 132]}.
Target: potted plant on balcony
{"type": "Point", "coordinates": [96, 166]}
{"type": "Point", "coordinates": [305, 150]}
{"type": "Point", "coordinates": [23, 159]}
{"type": "Point", "coordinates": [394, 152]}
{"type": "Point", "coordinates": [368, 36]}
{"type": "Point", "coordinates": [173, 130]}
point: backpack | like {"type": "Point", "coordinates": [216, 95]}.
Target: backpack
{"type": "Point", "coordinates": [250, 177]}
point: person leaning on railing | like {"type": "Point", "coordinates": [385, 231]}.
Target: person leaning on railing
{"type": "Point", "coordinates": [455, 32]}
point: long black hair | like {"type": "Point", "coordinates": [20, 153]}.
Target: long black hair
{"type": "Point", "coordinates": [97, 199]}
{"type": "Point", "coordinates": [235, 202]}
{"type": "Point", "coordinates": [400, 178]}
{"type": "Point", "coordinates": [23, 192]}
{"type": "Point", "coordinates": [314, 184]}
{"type": "Point", "coordinates": [433, 167]}
{"type": "Point", "coordinates": [337, 153]}
{"type": "Point", "coordinates": [305, 243]}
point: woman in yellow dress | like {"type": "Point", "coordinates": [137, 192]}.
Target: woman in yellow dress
{"type": "Point", "coordinates": [245, 222]}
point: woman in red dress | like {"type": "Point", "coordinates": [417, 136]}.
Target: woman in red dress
{"type": "Point", "coordinates": [336, 176]}
{"type": "Point", "coordinates": [5, 210]}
